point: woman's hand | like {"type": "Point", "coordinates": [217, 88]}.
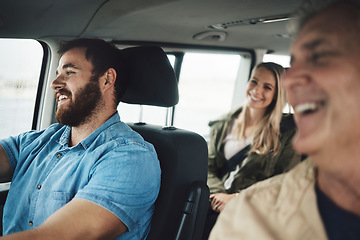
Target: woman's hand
{"type": "Point", "coordinates": [219, 200]}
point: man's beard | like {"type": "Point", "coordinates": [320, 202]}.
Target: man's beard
{"type": "Point", "coordinates": [78, 112]}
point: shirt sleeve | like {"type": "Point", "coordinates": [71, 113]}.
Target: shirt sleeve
{"type": "Point", "coordinates": [11, 148]}
{"type": "Point", "coordinates": [125, 181]}
{"type": "Point", "coordinates": [15, 146]}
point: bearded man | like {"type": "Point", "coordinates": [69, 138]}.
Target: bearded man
{"type": "Point", "coordinates": [90, 176]}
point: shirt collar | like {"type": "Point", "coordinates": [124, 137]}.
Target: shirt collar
{"type": "Point", "coordinates": [85, 143]}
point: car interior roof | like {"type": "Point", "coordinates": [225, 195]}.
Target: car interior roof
{"type": "Point", "coordinates": [161, 21]}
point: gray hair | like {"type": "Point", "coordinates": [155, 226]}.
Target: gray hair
{"type": "Point", "coordinates": [309, 8]}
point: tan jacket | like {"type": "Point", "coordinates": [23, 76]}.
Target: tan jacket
{"type": "Point", "coordinates": [280, 208]}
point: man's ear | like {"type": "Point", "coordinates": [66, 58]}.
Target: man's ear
{"type": "Point", "coordinates": [109, 78]}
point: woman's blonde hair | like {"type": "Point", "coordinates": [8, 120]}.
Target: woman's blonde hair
{"type": "Point", "coordinates": [266, 136]}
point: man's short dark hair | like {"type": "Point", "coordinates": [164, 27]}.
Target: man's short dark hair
{"type": "Point", "coordinates": [103, 55]}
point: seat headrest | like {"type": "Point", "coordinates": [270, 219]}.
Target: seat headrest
{"type": "Point", "coordinates": [150, 77]}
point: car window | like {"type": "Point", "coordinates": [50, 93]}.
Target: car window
{"type": "Point", "coordinates": [206, 87]}
{"type": "Point", "coordinates": [20, 65]}
{"type": "Point", "coordinates": [283, 60]}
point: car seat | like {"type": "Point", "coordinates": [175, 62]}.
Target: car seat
{"type": "Point", "coordinates": [182, 204]}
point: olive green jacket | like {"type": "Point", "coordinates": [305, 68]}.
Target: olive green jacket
{"type": "Point", "coordinates": [258, 167]}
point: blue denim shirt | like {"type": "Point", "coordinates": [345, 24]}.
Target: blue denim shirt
{"type": "Point", "coordinates": [113, 167]}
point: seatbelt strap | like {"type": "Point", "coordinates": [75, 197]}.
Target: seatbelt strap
{"type": "Point", "coordinates": [235, 160]}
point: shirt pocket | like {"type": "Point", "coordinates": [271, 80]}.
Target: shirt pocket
{"type": "Point", "coordinates": [64, 197]}
{"type": "Point", "coordinates": [49, 202]}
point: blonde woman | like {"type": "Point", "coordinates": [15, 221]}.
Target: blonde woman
{"type": "Point", "coordinates": [251, 143]}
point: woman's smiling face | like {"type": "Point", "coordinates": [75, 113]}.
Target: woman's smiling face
{"type": "Point", "coordinates": [261, 89]}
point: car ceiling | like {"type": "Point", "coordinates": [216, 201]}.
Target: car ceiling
{"type": "Point", "coordinates": [160, 21]}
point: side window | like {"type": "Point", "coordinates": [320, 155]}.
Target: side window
{"type": "Point", "coordinates": [207, 85]}
{"type": "Point", "coordinates": [20, 65]}
{"type": "Point", "coordinates": [283, 60]}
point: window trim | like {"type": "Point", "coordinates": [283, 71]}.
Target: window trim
{"type": "Point", "coordinates": [41, 85]}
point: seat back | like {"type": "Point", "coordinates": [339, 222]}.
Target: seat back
{"type": "Point", "coordinates": [181, 206]}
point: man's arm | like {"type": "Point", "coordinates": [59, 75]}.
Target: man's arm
{"type": "Point", "coordinates": [5, 167]}
{"type": "Point", "coordinates": [78, 219]}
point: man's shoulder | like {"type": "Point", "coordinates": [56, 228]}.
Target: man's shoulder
{"type": "Point", "coordinates": [276, 208]}
{"type": "Point", "coordinates": [278, 188]}
{"type": "Point", "coordinates": [120, 136]}
{"type": "Point", "coordinates": [120, 131]}
{"type": "Point", "coordinates": [43, 134]}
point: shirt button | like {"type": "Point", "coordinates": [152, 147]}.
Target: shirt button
{"type": "Point", "coordinates": [58, 155]}
{"type": "Point", "coordinates": [30, 223]}
{"type": "Point", "coordinates": [38, 187]}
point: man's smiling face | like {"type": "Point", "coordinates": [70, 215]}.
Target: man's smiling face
{"type": "Point", "coordinates": [323, 83]}
{"type": "Point", "coordinates": [76, 89]}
